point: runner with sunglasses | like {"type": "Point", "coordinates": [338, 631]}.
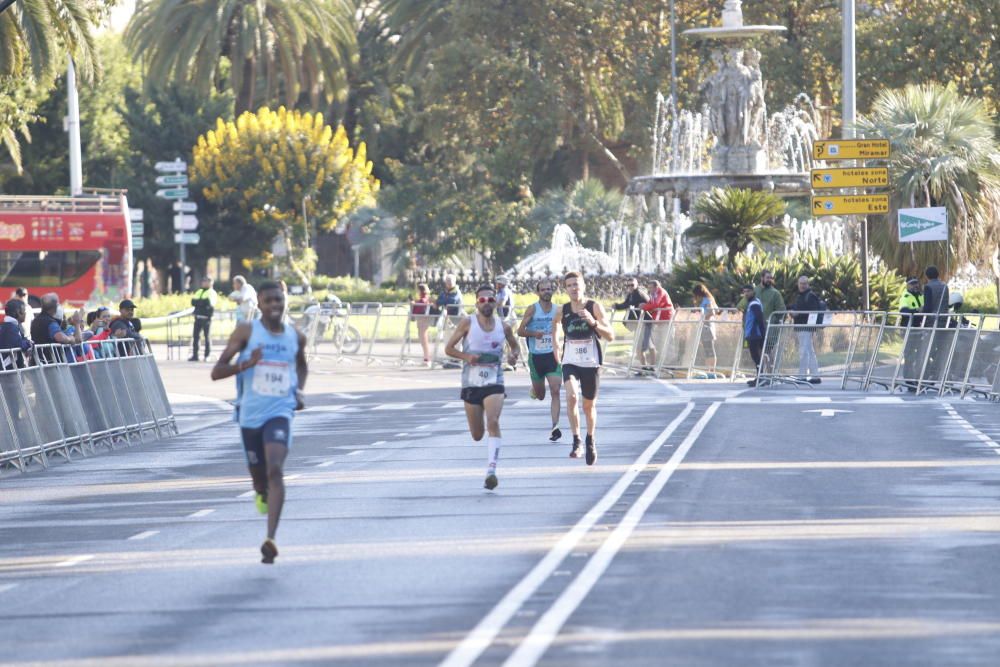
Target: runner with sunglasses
{"type": "Point", "coordinates": [484, 334]}
{"type": "Point", "coordinates": [536, 326]}
{"type": "Point", "coordinates": [578, 335]}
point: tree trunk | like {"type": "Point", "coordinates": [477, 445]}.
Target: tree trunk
{"type": "Point", "coordinates": [286, 236]}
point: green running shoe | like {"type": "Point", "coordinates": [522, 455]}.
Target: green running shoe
{"type": "Point", "coordinates": [491, 481]}
{"type": "Point", "coordinates": [261, 501]}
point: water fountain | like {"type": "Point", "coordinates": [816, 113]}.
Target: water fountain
{"type": "Point", "coordinates": [732, 141]}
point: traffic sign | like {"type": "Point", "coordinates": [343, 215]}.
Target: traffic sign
{"type": "Point", "coordinates": [171, 167]}
{"type": "Point", "coordinates": [172, 179]}
{"type": "Point", "coordinates": [850, 204]}
{"type": "Point", "coordinates": [923, 224]}
{"type": "Point", "coordinates": [872, 177]}
{"type": "Point", "coordinates": [172, 193]}
{"type": "Point", "coordinates": [187, 238]}
{"type": "Point", "coordinates": [185, 207]}
{"type": "Point", "coordinates": [138, 229]}
{"type": "Point", "coordinates": [851, 149]}
{"type": "Point", "coordinates": [185, 223]}
{"type": "Point", "coordinates": [135, 214]}
{"type": "Point", "coordinates": [138, 242]}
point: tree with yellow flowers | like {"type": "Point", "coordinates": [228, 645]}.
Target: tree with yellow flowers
{"type": "Point", "coordinates": [265, 173]}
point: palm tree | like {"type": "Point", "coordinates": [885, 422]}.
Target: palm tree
{"type": "Point", "coordinates": [35, 36]}
{"type": "Point", "coordinates": [295, 46]}
{"type": "Point", "coordinates": [421, 25]}
{"type": "Point", "coordinates": [737, 218]}
{"type": "Point", "coordinates": [944, 153]}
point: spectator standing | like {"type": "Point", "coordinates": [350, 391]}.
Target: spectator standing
{"type": "Point", "coordinates": [245, 297]}
{"type": "Point", "coordinates": [658, 308]}
{"type": "Point", "coordinates": [770, 298]}
{"type": "Point", "coordinates": [806, 312]}
{"type": "Point", "coordinates": [420, 308]}
{"type": "Point", "coordinates": [47, 327]}
{"type": "Point", "coordinates": [505, 299]}
{"type": "Point", "coordinates": [175, 276]}
{"type": "Point", "coordinates": [204, 301]}
{"type": "Point", "coordinates": [633, 304]}
{"type": "Point", "coordinates": [709, 310]}
{"type": "Point", "coordinates": [450, 298]}
{"type": "Point", "coordinates": [935, 298]}
{"type": "Point", "coordinates": [753, 328]}
{"type": "Point", "coordinates": [21, 294]}
{"type": "Point", "coordinates": [12, 335]}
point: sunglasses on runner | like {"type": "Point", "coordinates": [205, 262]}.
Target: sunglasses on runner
{"type": "Point", "coordinates": [487, 299]}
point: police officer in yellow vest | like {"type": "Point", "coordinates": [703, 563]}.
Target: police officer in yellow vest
{"type": "Point", "coordinates": [911, 302]}
{"type": "Point", "coordinates": [204, 307]}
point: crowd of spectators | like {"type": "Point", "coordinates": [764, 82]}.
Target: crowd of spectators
{"type": "Point", "coordinates": [55, 333]}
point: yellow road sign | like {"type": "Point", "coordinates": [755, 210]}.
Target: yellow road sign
{"type": "Point", "coordinates": [850, 204]}
{"type": "Point", "coordinates": [873, 177]}
{"type": "Point", "coordinates": [851, 149]}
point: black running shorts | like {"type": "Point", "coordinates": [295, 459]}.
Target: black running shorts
{"type": "Point", "coordinates": [475, 395]}
{"type": "Point", "coordinates": [589, 379]}
{"type": "Point", "coordinates": [277, 430]}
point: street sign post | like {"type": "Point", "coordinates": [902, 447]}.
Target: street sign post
{"type": "Point", "coordinates": [171, 167]}
{"type": "Point", "coordinates": [172, 193]}
{"type": "Point", "coordinates": [870, 177]}
{"type": "Point", "coordinates": [851, 149]}
{"type": "Point", "coordinates": [923, 224]}
{"type": "Point", "coordinates": [849, 204]}
{"type": "Point", "coordinates": [172, 179]}
{"type": "Point", "coordinates": [185, 207]}
{"type": "Point", "coordinates": [185, 223]}
{"type": "Point", "coordinates": [187, 238]}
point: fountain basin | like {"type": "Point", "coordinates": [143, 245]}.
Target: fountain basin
{"type": "Point", "coordinates": [679, 185]}
{"type": "Point", "coordinates": [741, 32]}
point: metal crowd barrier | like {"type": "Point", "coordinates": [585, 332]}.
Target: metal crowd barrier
{"type": "Point", "coordinates": [923, 354]}
{"type": "Point", "coordinates": [66, 399]}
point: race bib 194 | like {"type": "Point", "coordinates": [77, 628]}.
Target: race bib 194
{"type": "Point", "coordinates": [271, 378]}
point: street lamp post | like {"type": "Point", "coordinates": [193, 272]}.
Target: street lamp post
{"type": "Point", "coordinates": [848, 131]}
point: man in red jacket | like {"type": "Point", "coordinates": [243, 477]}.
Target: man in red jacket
{"type": "Point", "coordinates": [659, 308]}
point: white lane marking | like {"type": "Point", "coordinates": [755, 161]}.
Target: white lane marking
{"type": "Point", "coordinates": [377, 443]}
{"type": "Point", "coordinates": [813, 399]}
{"type": "Point", "coordinates": [6, 587]}
{"type": "Point", "coordinates": [353, 397]}
{"type": "Point", "coordinates": [423, 428]}
{"type": "Point", "coordinates": [669, 387]}
{"type": "Point", "coordinates": [827, 412]}
{"type": "Point", "coordinates": [548, 626]}
{"type": "Point", "coordinates": [75, 560]}
{"type": "Point", "coordinates": [249, 494]}
{"type": "Point", "coordinates": [394, 406]}
{"type": "Point", "coordinates": [146, 534]}
{"type": "Point", "coordinates": [356, 451]}
{"type": "Point", "coordinates": [452, 404]}
{"type": "Point", "coordinates": [326, 464]}
{"type": "Point", "coordinates": [325, 408]}
{"type": "Point", "coordinates": [199, 514]}
{"type": "Point", "coordinates": [401, 435]}
{"type": "Point", "coordinates": [972, 430]}
{"type": "Point", "coordinates": [481, 636]}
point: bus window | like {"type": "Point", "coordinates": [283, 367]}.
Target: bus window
{"type": "Point", "coordinates": [46, 268]}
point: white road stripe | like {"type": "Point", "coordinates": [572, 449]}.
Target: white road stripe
{"type": "Point", "coordinates": [377, 443]}
{"type": "Point", "coordinates": [75, 560]}
{"type": "Point", "coordinates": [481, 636]}
{"type": "Point", "coordinates": [6, 587]}
{"type": "Point", "coordinates": [548, 626]}
{"type": "Point", "coordinates": [249, 494]}
{"type": "Point", "coordinates": [453, 404]}
{"type": "Point", "coordinates": [394, 406]}
{"type": "Point", "coordinates": [295, 476]}
{"type": "Point", "coordinates": [144, 535]}
{"type": "Point", "coordinates": [356, 451]}
{"type": "Point", "coordinates": [199, 514]}
{"type": "Point", "coordinates": [423, 428]}
{"type": "Point", "coordinates": [326, 464]}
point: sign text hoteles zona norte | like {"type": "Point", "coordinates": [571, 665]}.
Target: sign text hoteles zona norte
{"type": "Point", "coordinates": [860, 177]}
{"type": "Point", "coordinates": [850, 204]}
{"type": "Point", "coordinates": [851, 149]}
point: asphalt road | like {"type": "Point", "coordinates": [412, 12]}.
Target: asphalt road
{"type": "Point", "coordinates": [719, 527]}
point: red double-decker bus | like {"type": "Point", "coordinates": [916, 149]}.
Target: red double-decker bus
{"type": "Point", "coordinates": [78, 247]}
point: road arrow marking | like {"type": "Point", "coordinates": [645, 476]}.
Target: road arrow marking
{"type": "Point", "coordinates": [827, 412]}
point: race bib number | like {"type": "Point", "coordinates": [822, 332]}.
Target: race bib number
{"type": "Point", "coordinates": [580, 353]}
{"type": "Point", "coordinates": [482, 376]}
{"type": "Point", "coordinates": [544, 344]}
{"type": "Point", "coordinates": [271, 378]}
